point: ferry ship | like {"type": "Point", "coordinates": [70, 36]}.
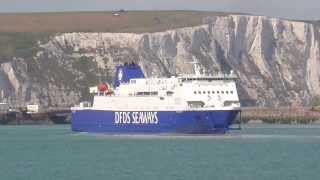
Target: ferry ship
{"type": "Point", "coordinates": [197, 103]}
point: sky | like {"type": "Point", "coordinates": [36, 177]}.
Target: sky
{"type": "Point", "coordinates": [292, 9]}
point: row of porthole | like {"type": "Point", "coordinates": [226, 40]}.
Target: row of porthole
{"type": "Point", "coordinates": [212, 92]}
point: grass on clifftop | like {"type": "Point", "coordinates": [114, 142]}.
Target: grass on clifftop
{"type": "Point", "coordinates": [127, 21]}
{"type": "Point", "coordinates": [20, 32]}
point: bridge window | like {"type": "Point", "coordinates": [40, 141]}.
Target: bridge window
{"type": "Point", "coordinates": [169, 93]}
{"type": "Point", "coordinates": [153, 93]}
{"type": "Point", "coordinates": [217, 92]}
{"type": "Point", "coordinates": [194, 92]}
{"type": "Point", "coordinates": [208, 92]}
{"type": "Point", "coordinates": [227, 92]}
{"type": "Point", "coordinates": [203, 92]}
{"type": "Point", "coordinates": [231, 92]}
{"type": "Point", "coordinates": [222, 92]}
{"type": "Point", "coordinates": [199, 92]}
{"type": "Point", "coordinates": [212, 92]}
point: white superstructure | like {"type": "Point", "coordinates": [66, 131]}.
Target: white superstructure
{"type": "Point", "coordinates": [175, 93]}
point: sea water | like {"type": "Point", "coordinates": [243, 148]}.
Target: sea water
{"type": "Point", "coordinates": [256, 152]}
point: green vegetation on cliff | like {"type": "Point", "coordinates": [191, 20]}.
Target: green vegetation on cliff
{"type": "Point", "coordinates": [23, 44]}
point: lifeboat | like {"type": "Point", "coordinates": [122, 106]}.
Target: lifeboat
{"type": "Point", "coordinates": [105, 88]}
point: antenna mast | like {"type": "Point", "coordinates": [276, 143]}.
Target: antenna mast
{"type": "Point", "coordinates": [196, 66]}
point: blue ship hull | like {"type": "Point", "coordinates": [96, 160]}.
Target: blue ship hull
{"type": "Point", "coordinates": [189, 122]}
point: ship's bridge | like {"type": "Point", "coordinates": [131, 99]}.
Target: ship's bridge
{"type": "Point", "coordinates": [208, 77]}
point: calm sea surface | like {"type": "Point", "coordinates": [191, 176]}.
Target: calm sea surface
{"type": "Point", "coordinates": [256, 152]}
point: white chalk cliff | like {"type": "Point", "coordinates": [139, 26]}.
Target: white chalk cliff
{"type": "Point", "coordinates": [277, 61]}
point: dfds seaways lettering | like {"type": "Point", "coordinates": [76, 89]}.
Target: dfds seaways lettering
{"type": "Point", "coordinates": [136, 118]}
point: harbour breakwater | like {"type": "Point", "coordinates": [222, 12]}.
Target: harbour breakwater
{"type": "Point", "coordinates": [281, 115]}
